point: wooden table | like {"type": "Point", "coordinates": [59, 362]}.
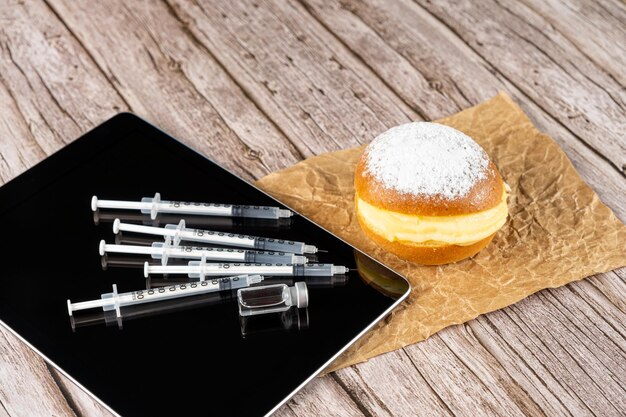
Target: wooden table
{"type": "Point", "coordinates": [259, 86]}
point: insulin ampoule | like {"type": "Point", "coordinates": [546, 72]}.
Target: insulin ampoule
{"type": "Point", "coordinates": [272, 298]}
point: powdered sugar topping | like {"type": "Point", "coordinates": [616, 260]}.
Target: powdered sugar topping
{"type": "Point", "coordinates": [429, 159]}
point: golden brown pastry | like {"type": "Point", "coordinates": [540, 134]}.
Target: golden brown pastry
{"type": "Point", "coordinates": [429, 194]}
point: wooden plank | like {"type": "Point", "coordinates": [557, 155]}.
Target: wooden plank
{"type": "Point", "coordinates": [611, 286]}
{"type": "Point", "coordinates": [527, 50]}
{"type": "Point", "coordinates": [437, 74]}
{"type": "Point", "coordinates": [321, 397]}
{"type": "Point", "coordinates": [18, 150]}
{"type": "Point", "coordinates": [171, 80]}
{"type": "Point", "coordinates": [45, 72]}
{"type": "Point", "coordinates": [452, 370]}
{"type": "Point", "coordinates": [321, 97]}
{"type": "Point", "coordinates": [45, 83]}
{"type": "Point", "coordinates": [81, 402]}
{"type": "Point", "coordinates": [549, 349]}
{"type": "Point", "coordinates": [603, 290]}
{"type": "Point", "coordinates": [391, 385]}
{"type": "Point", "coordinates": [27, 387]}
{"type": "Point", "coordinates": [604, 41]}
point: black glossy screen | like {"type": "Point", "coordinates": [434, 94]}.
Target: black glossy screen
{"type": "Point", "coordinates": [150, 366]}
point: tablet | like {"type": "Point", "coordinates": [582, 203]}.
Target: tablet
{"type": "Point", "coordinates": [191, 356]}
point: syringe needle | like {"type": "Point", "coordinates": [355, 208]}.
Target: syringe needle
{"type": "Point", "coordinates": [154, 205]}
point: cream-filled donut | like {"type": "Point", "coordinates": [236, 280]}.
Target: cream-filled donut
{"type": "Point", "coordinates": [429, 193]}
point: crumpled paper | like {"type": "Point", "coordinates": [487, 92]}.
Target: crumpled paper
{"type": "Point", "coordinates": [558, 230]}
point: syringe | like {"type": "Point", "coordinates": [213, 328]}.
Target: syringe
{"type": "Point", "coordinates": [114, 301]}
{"type": "Point", "coordinates": [155, 205]}
{"type": "Point", "coordinates": [164, 251]}
{"type": "Point", "coordinates": [201, 269]}
{"type": "Point", "coordinates": [180, 232]}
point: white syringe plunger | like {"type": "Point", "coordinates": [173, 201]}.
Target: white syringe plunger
{"type": "Point", "coordinates": [108, 301]}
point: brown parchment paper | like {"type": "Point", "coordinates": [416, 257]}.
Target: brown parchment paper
{"type": "Point", "coordinates": [558, 231]}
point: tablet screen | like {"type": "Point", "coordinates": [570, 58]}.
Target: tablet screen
{"type": "Point", "coordinates": [148, 361]}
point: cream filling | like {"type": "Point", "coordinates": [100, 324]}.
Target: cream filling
{"type": "Point", "coordinates": [462, 230]}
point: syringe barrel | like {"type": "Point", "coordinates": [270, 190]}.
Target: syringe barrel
{"type": "Point", "coordinates": [222, 269]}
{"type": "Point", "coordinates": [167, 293]}
{"type": "Point", "coordinates": [222, 254]}
{"type": "Point", "coordinates": [273, 257]}
{"type": "Point", "coordinates": [213, 209]}
{"type": "Point", "coordinates": [279, 245]}
{"type": "Point", "coordinates": [243, 241]}
{"type": "Point", "coordinates": [185, 207]}
{"type": "Point", "coordinates": [217, 238]}
{"type": "Point", "coordinates": [257, 212]}
{"type": "Point", "coordinates": [319, 270]}
{"type": "Point", "coordinates": [181, 290]}
{"type": "Point", "coordinates": [197, 252]}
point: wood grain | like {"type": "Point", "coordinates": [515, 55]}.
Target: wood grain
{"type": "Point", "coordinates": [555, 352]}
{"type": "Point", "coordinates": [604, 28]}
{"type": "Point", "coordinates": [613, 288]}
{"type": "Point", "coordinates": [391, 385]}
{"type": "Point", "coordinates": [27, 388]}
{"type": "Point", "coordinates": [321, 397]}
{"type": "Point", "coordinates": [169, 79]}
{"type": "Point", "coordinates": [321, 97]}
{"type": "Point", "coordinates": [544, 65]}
{"type": "Point", "coordinates": [81, 403]}
{"type": "Point", "coordinates": [258, 86]}
{"type": "Point", "coordinates": [44, 88]}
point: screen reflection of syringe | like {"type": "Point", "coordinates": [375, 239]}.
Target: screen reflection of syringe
{"type": "Point", "coordinates": [164, 251]}
{"type": "Point", "coordinates": [201, 269]}
{"type": "Point", "coordinates": [114, 300]}
{"type": "Point", "coordinates": [155, 205]}
{"type": "Point", "coordinates": [180, 232]}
